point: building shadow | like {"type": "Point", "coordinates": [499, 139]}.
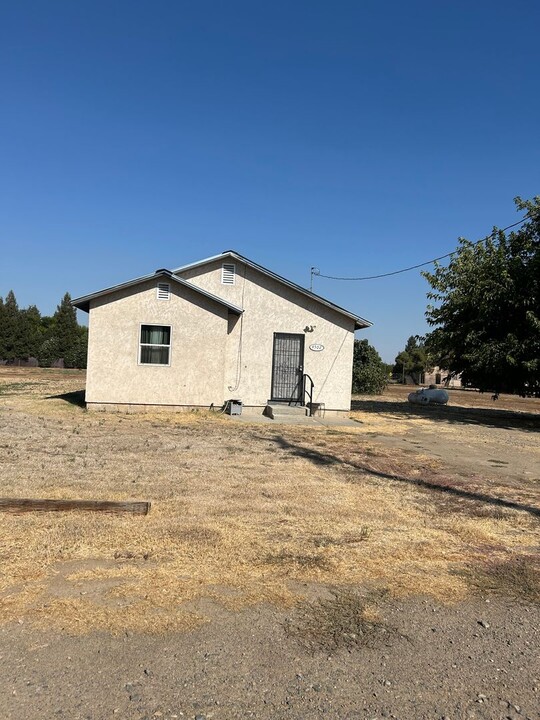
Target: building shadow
{"type": "Point", "coordinates": [491, 417]}
{"type": "Point", "coordinates": [443, 487]}
{"type": "Point", "coordinates": [73, 398]}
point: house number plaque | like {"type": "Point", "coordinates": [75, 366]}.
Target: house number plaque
{"type": "Point", "coordinates": [316, 347]}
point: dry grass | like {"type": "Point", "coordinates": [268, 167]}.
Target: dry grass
{"type": "Point", "coordinates": [241, 514]}
{"type": "Point", "coordinates": [391, 414]}
{"type": "Point", "coordinates": [464, 398]}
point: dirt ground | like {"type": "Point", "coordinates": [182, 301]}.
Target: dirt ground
{"type": "Point", "coordinates": [473, 433]}
{"type": "Point", "coordinates": [385, 570]}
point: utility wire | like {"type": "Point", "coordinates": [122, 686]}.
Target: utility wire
{"type": "Point", "coordinates": [315, 271]}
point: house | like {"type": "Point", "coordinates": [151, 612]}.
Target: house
{"type": "Point", "coordinates": [439, 376]}
{"type": "Point", "coordinates": [218, 329]}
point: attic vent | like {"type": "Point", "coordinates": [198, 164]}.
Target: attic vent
{"type": "Point", "coordinates": [163, 291]}
{"type": "Point", "coordinates": [227, 274]}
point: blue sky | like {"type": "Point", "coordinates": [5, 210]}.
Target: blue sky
{"type": "Point", "coordinates": [358, 137]}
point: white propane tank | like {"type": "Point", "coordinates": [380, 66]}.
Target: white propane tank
{"type": "Point", "coordinates": [429, 395]}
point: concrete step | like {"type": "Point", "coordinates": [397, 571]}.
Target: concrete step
{"type": "Point", "coordinates": [274, 409]}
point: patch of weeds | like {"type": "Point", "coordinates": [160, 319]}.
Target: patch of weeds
{"type": "Point", "coordinates": [363, 534]}
{"type": "Point", "coordinates": [345, 620]}
{"type": "Point", "coordinates": [204, 535]}
{"type": "Point", "coordinates": [129, 555]}
{"type": "Point", "coordinates": [489, 511]}
{"type": "Point", "coordinates": [325, 541]}
{"type": "Point", "coordinates": [517, 577]}
{"type": "Point", "coordinates": [307, 562]}
{"type": "Point", "coordinates": [9, 388]}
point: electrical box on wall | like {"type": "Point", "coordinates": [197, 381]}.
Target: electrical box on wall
{"type": "Point", "coordinates": [234, 407]}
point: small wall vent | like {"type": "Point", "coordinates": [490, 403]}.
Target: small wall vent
{"type": "Point", "coordinates": [228, 272]}
{"type": "Point", "coordinates": [163, 291]}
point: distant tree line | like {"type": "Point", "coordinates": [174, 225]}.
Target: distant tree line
{"type": "Point", "coordinates": [54, 340]}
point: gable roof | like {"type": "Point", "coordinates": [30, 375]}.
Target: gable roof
{"type": "Point", "coordinates": [360, 322]}
{"type": "Point", "coordinates": [83, 303]}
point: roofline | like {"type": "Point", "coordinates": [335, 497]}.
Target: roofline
{"type": "Point", "coordinates": [360, 322]}
{"type": "Point", "coordinates": [83, 302]}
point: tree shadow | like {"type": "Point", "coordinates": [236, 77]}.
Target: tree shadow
{"type": "Point", "coordinates": [73, 398]}
{"type": "Point", "coordinates": [445, 486]}
{"type": "Point", "coordinates": [492, 417]}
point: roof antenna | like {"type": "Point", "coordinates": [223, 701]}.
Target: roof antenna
{"type": "Point", "coordinates": [314, 271]}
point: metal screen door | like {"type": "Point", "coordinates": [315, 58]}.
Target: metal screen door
{"type": "Point", "coordinates": [287, 367]}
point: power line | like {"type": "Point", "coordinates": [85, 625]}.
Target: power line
{"type": "Point", "coordinates": [316, 271]}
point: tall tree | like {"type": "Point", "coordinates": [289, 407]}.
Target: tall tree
{"type": "Point", "coordinates": [32, 332]}
{"type": "Point", "coordinates": [370, 373]}
{"type": "Point", "coordinates": [486, 311]}
{"type": "Point", "coordinates": [66, 329]}
{"type": "Point", "coordinates": [2, 326]}
{"type": "Point", "coordinates": [414, 360]}
{"type": "Point", "coordinates": [11, 334]}
{"type": "Point", "coordinates": [76, 356]}
{"type": "Point", "coordinates": [25, 333]}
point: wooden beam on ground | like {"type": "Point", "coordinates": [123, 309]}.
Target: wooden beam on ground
{"type": "Point", "coordinates": [21, 505]}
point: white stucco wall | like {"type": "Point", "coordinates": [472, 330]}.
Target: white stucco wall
{"type": "Point", "coordinates": [195, 375]}
{"type": "Point", "coordinates": [271, 307]}
{"type": "Point", "coordinates": [214, 354]}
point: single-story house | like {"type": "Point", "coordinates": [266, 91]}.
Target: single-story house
{"type": "Point", "coordinates": [439, 376]}
{"type": "Point", "coordinates": [219, 329]}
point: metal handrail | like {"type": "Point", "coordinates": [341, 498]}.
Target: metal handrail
{"type": "Point", "coordinates": [309, 392]}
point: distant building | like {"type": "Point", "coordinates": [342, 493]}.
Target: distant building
{"type": "Point", "coordinates": [438, 376]}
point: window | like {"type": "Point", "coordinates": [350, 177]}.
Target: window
{"type": "Point", "coordinates": [163, 291]}
{"type": "Point", "coordinates": [227, 274]}
{"type": "Point", "coordinates": [155, 345]}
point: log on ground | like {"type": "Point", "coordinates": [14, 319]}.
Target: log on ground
{"type": "Point", "coordinates": [20, 505]}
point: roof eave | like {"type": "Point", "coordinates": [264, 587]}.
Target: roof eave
{"type": "Point", "coordinates": [83, 302]}
{"type": "Point", "coordinates": [360, 322]}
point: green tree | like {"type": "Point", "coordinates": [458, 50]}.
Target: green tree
{"type": "Point", "coordinates": [486, 309]}
{"type": "Point", "coordinates": [76, 356]}
{"type": "Point", "coordinates": [66, 328]}
{"type": "Point", "coordinates": [414, 360]}
{"type": "Point", "coordinates": [25, 333]}
{"type": "Point", "coordinates": [63, 338]}
{"type": "Point", "coordinates": [370, 374]}
{"type": "Point", "coordinates": [49, 351]}
{"type": "Point", "coordinates": [2, 327]}
{"type": "Point", "coordinates": [11, 331]}
{"type": "Point", "coordinates": [32, 332]}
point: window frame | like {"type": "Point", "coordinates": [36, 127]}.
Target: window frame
{"type": "Point", "coordinates": [140, 345]}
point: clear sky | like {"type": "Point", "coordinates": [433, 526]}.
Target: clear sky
{"type": "Point", "coordinates": [358, 137]}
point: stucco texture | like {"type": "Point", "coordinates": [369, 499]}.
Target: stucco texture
{"type": "Point", "coordinates": [271, 307]}
{"type": "Point", "coordinates": [195, 374]}
{"type": "Point", "coordinates": [215, 355]}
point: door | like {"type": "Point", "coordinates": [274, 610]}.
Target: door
{"type": "Point", "coordinates": [287, 367]}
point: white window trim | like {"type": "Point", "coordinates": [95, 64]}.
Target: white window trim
{"type": "Point", "coordinates": [161, 286]}
{"type": "Point", "coordinates": [140, 345]}
{"type": "Point", "coordinates": [228, 265]}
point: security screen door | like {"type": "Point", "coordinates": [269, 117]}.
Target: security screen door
{"type": "Point", "coordinates": [287, 367]}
